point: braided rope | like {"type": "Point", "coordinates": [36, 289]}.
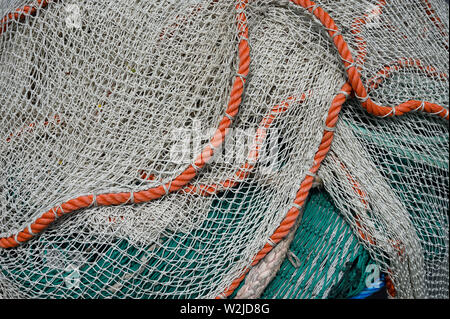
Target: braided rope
{"type": "Point", "coordinates": [110, 199]}
{"type": "Point", "coordinates": [303, 192]}
{"type": "Point", "coordinates": [244, 171]}
{"type": "Point", "coordinates": [354, 85]}
{"type": "Point", "coordinates": [20, 14]}
{"type": "Point", "coordinates": [354, 76]}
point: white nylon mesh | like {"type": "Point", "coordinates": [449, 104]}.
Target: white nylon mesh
{"type": "Point", "coordinates": [96, 96]}
{"type": "Point", "coordinates": [397, 30]}
{"type": "Point", "coordinates": [184, 245]}
{"type": "Point", "coordinates": [401, 166]}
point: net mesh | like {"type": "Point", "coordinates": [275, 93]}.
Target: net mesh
{"type": "Point", "coordinates": [159, 149]}
{"type": "Point", "coordinates": [325, 259]}
{"type": "Point", "coordinates": [407, 230]}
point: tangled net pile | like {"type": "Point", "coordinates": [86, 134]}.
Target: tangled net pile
{"type": "Point", "coordinates": [166, 149]}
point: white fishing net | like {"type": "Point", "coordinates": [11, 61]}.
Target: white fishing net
{"type": "Point", "coordinates": [401, 211]}
{"type": "Point", "coordinates": [400, 165]}
{"type": "Point", "coordinates": [107, 105]}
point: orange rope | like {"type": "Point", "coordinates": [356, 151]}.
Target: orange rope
{"type": "Point", "coordinates": [20, 14]}
{"type": "Point", "coordinates": [303, 192]}
{"type": "Point", "coordinates": [109, 199]}
{"type": "Point", "coordinates": [355, 84]}
{"type": "Point", "coordinates": [244, 171]}
{"type": "Point", "coordinates": [354, 76]}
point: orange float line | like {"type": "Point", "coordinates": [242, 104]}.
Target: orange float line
{"type": "Point", "coordinates": [20, 14]}
{"type": "Point", "coordinates": [303, 192]}
{"type": "Point", "coordinates": [354, 76]}
{"type": "Point", "coordinates": [109, 199]}
{"type": "Point", "coordinates": [356, 87]}
{"type": "Point", "coordinates": [373, 83]}
{"type": "Point", "coordinates": [354, 84]}
{"type": "Point", "coordinates": [244, 171]}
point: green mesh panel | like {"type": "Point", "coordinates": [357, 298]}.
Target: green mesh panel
{"type": "Point", "coordinates": [115, 268]}
{"type": "Point", "coordinates": [331, 263]}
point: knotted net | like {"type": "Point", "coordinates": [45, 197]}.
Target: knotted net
{"type": "Point", "coordinates": [161, 149]}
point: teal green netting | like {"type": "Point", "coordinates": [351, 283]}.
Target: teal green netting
{"type": "Point", "coordinates": [329, 263]}
{"type": "Point", "coordinates": [114, 269]}
{"type": "Point", "coordinates": [415, 162]}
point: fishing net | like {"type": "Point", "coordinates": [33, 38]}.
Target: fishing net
{"type": "Point", "coordinates": [325, 258]}
{"type": "Point", "coordinates": [406, 230]}
{"type": "Point", "coordinates": [166, 149]}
